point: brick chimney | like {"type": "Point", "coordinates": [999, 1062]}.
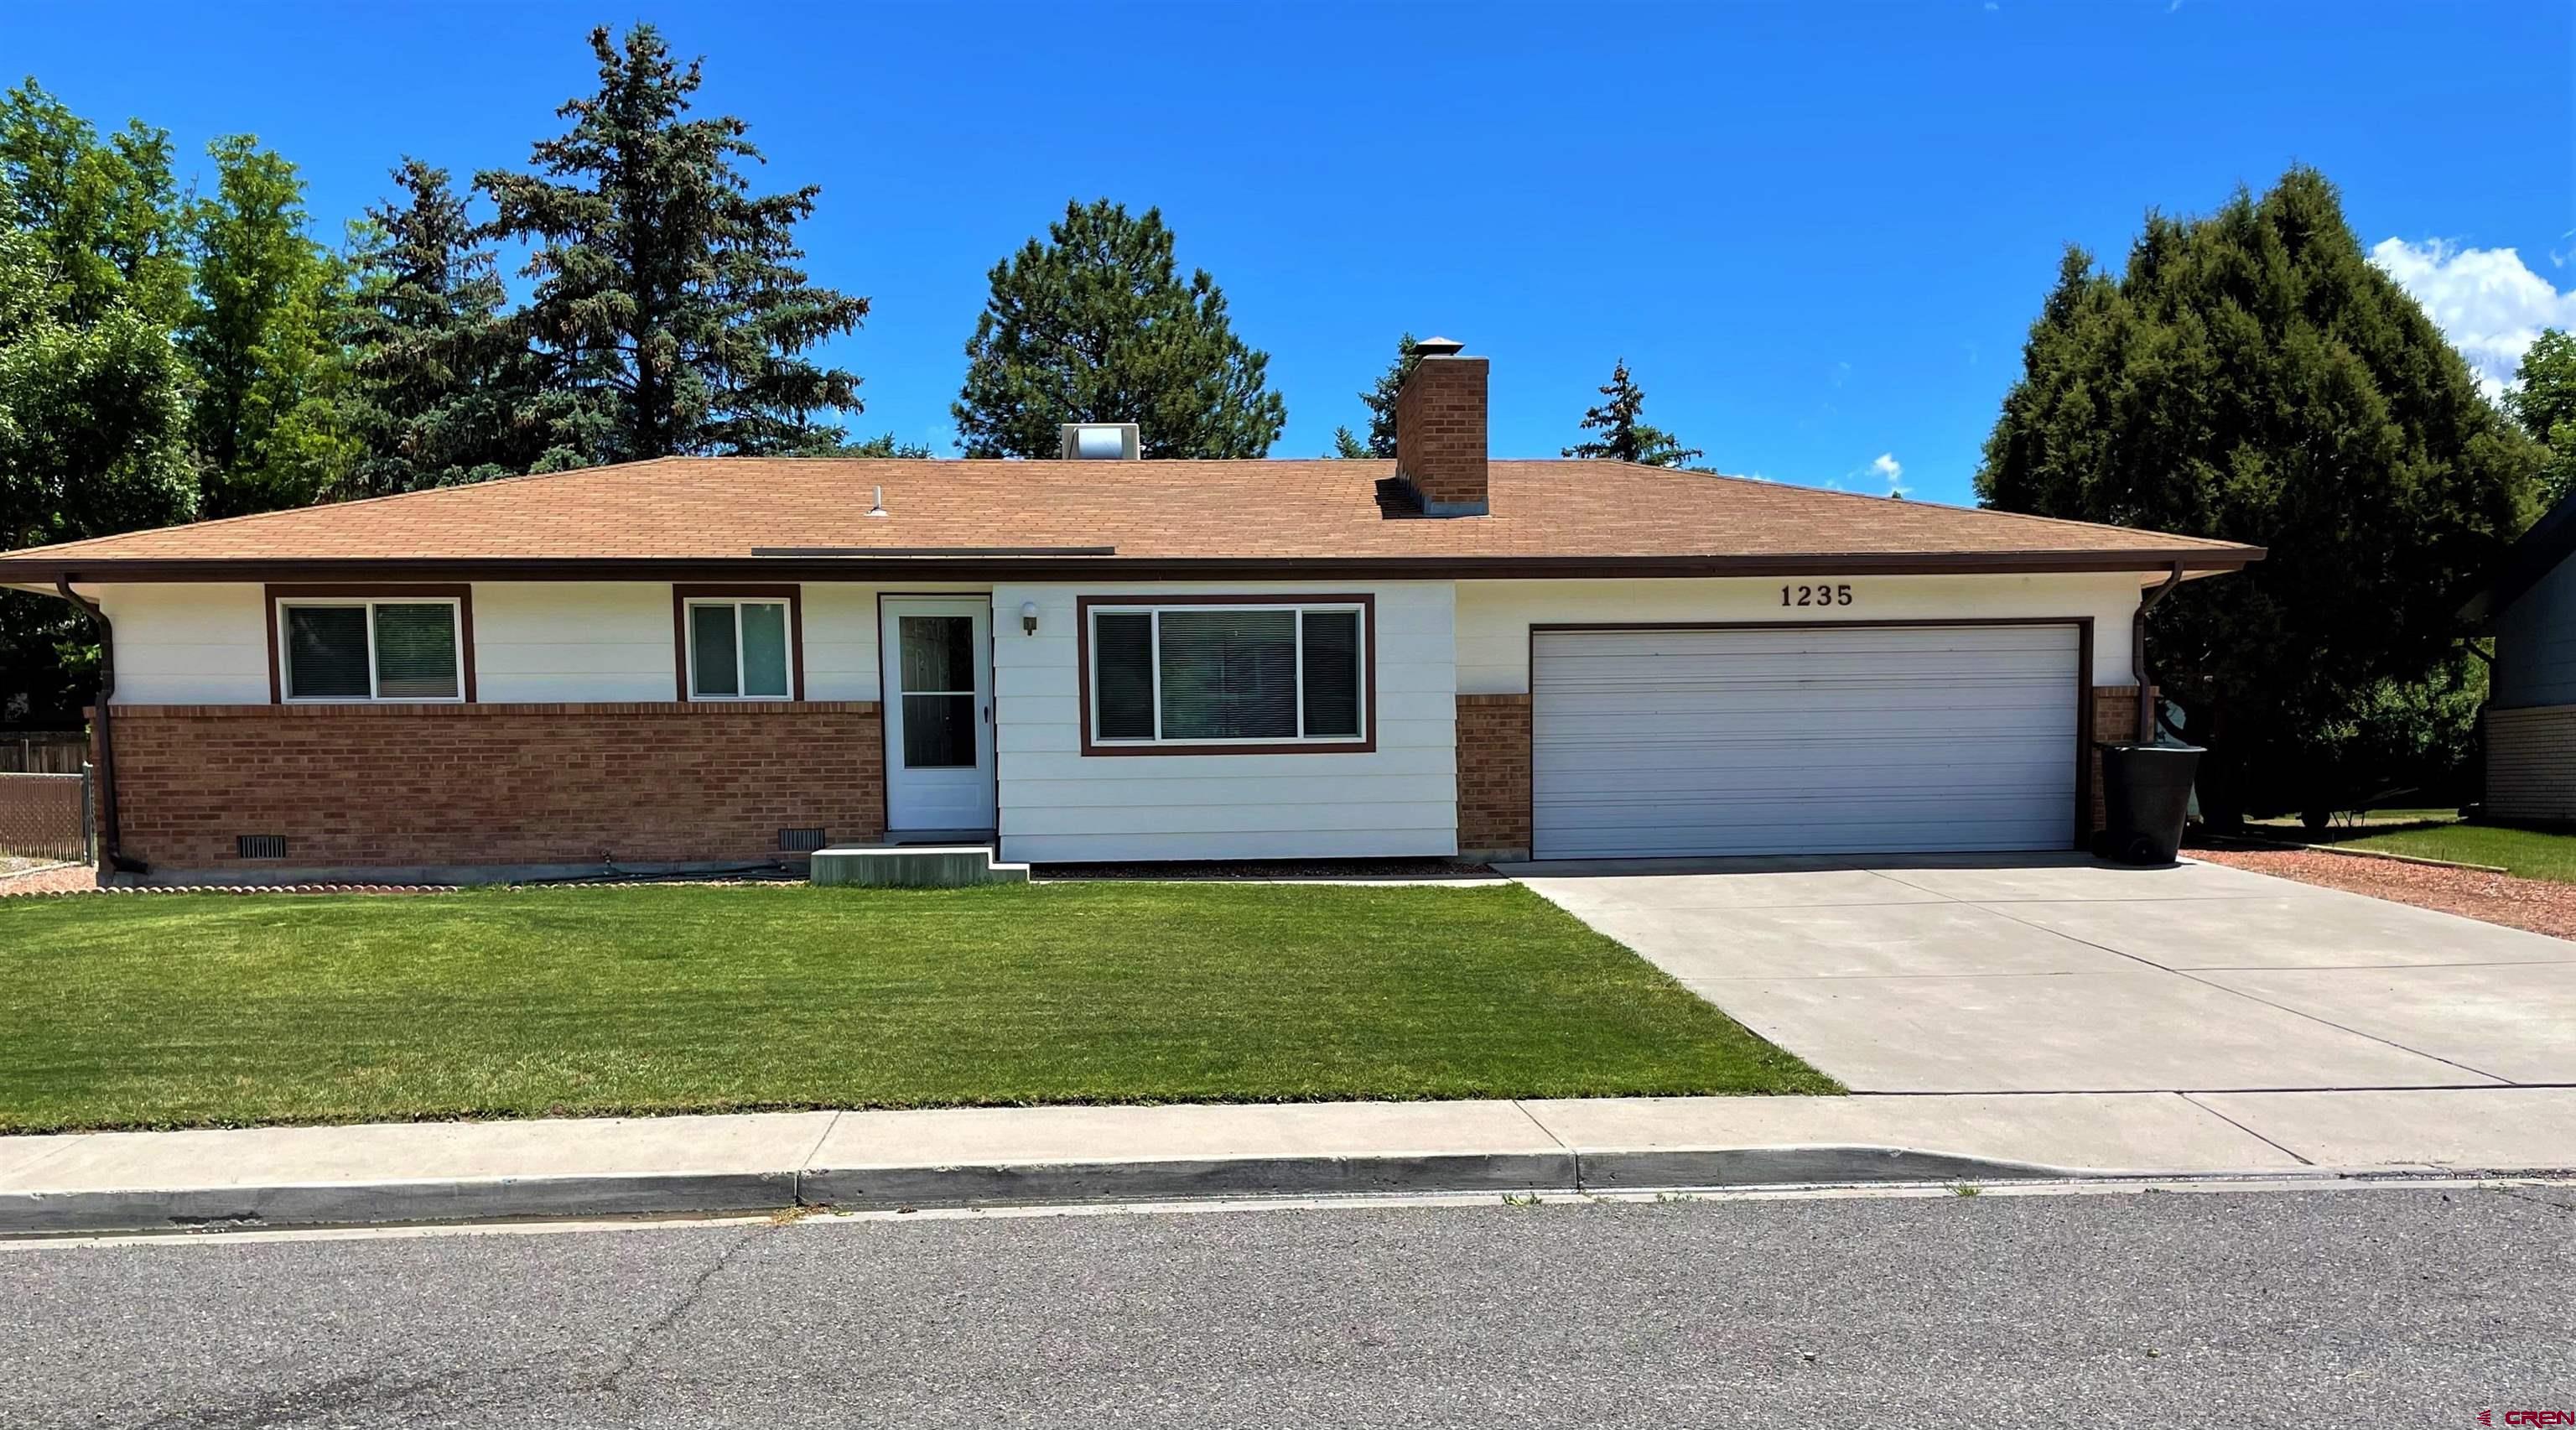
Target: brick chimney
{"type": "Point", "coordinates": [1440, 430]}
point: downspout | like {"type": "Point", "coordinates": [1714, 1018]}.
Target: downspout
{"type": "Point", "coordinates": [111, 848]}
{"type": "Point", "coordinates": [2138, 655]}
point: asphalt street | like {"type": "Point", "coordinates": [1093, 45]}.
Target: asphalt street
{"type": "Point", "coordinates": [2345, 1308]}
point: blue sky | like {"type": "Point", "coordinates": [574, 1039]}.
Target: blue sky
{"type": "Point", "coordinates": [1816, 232]}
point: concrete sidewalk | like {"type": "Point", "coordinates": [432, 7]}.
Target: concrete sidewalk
{"type": "Point", "coordinates": [634, 1166]}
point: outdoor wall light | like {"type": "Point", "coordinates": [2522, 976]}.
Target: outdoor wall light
{"type": "Point", "coordinates": [1029, 617]}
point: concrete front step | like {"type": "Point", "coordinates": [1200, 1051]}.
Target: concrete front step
{"type": "Point", "coordinates": [913, 866]}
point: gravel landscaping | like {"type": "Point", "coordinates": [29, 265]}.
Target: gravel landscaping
{"type": "Point", "coordinates": [2539, 905]}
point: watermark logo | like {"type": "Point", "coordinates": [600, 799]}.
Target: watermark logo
{"type": "Point", "coordinates": [2533, 1418]}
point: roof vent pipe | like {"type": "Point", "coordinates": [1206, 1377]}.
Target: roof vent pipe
{"type": "Point", "coordinates": [1099, 441]}
{"type": "Point", "coordinates": [876, 503]}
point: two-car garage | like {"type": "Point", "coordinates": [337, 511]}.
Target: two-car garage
{"type": "Point", "coordinates": [1845, 738]}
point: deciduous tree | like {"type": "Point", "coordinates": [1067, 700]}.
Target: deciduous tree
{"type": "Point", "coordinates": [2544, 402]}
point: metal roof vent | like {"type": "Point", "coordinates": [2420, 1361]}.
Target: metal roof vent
{"type": "Point", "coordinates": [1099, 441]}
{"type": "Point", "coordinates": [876, 502]}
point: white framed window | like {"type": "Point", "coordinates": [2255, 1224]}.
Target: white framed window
{"type": "Point", "coordinates": [740, 648]}
{"type": "Point", "coordinates": [338, 649]}
{"type": "Point", "coordinates": [1216, 675]}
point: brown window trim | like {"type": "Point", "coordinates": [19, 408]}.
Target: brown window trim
{"type": "Point", "coordinates": [681, 596]}
{"type": "Point", "coordinates": [462, 595]}
{"type": "Point", "coordinates": [1366, 744]}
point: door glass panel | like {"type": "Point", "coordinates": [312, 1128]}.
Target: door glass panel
{"type": "Point", "coordinates": [938, 731]}
{"type": "Point", "coordinates": [938, 653]}
{"type": "Point", "coordinates": [764, 648]}
{"type": "Point", "coordinates": [711, 656]}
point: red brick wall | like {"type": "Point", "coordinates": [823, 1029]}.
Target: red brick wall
{"type": "Point", "coordinates": [361, 785]}
{"type": "Point", "coordinates": [2115, 722]}
{"type": "Point", "coordinates": [1440, 430]}
{"type": "Point", "coordinates": [1493, 773]}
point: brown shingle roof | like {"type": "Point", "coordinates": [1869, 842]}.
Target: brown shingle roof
{"type": "Point", "coordinates": [723, 510]}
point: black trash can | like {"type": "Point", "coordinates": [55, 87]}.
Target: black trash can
{"type": "Point", "coordinates": [2146, 790]}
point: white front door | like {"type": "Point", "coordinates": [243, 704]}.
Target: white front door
{"type": "Point", "coordinates": [938, 657]}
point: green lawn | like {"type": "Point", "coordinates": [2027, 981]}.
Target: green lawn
{"type": "Point", "coordinates": [179, 1010]}
{"type": "Point", "coordinates": [2531, 853]}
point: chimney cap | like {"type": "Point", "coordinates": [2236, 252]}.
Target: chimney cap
{"type": "Point", "coordinates": [1439, 347]}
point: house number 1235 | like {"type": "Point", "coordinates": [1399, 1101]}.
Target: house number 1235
{"type": "Point", "coordinates": [1816, 595]}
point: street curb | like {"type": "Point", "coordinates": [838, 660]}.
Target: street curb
{"type": "Point", "coordinates": [370, 1203]}
{"type": "Point", "coordinates": [1648, 1170]}
{"type": "Point", "coordinates": [1178, 1179]}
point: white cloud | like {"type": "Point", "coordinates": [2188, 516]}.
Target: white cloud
{"type": "Point", "coordinates": [1888, 469]}
{"type": "Point", "coordinates": [2487, 301]}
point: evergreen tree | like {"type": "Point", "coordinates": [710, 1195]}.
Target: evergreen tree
{"type": "Point", "coordinates": [2544, 402]}
{"type": "Point", "coordinates": [271, 306]}
{"type": "Point", "coordinates": [668, 301]}
{"type": "Point", "coordinates": [445, 383]}
{"type": "Point", "coordinates": [1625, 436]}
{"type": "Point", "coordinates": [1380, 402]}
{"type": "Point", "coordinates": [1095, 325]}
{"type": "Point", "coordinates": [2251, 376]}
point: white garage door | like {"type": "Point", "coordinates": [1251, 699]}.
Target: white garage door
{"type": "Point", "coordinates": [1842, 739]}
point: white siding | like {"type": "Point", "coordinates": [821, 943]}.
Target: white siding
{"type": "Point", "coordinates": [2531, 762]}
{"type": "Point", "coordinates": [538, 642]}
{"type": "Point", "coordinates": [1494, 617]}
{"type": "Point", "coordinates": [188, 644]}
{"type": "Point", "coordinates": [1398, 800]}
{"type": "Point", "coordinates": [535, 642]}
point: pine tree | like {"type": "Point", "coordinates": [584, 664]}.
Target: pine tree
{"type": "Point", "coordinates": [445, 385]}
{"type": "Point", "coordinates": [1095, 325]}
{"type": "Point", "coordinates": [1380, 402]}
{"type": "Point", "coordinates": [2251, 376]}
{"type": "Point", "coordinates": [2543, 400]}
{"type": "Point", "coordinates": [1625, 437]}
{"type": "Point", "coordinates": [668, 301]}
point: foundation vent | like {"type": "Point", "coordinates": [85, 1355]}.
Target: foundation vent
{"type": "Point", "coordinates": [801, 841]}
{"type": "Point", "coordinates": [259, 846]}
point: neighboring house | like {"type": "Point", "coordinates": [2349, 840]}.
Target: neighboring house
{"type": "Point", "coordinates": [2530, 718]}
{"type": "Point", "coordinates": [703, 662]}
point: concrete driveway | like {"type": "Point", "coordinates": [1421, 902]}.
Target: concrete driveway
{"type": "Point", "coordinates": [2048, 973]}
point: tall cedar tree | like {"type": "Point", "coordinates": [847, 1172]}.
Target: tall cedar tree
{"type": "Point", "coordinates": [1380, 402]}
{"type": "Point", "coordinates": [93, 397]}
{"type": "Point", "coordinates": [445, 385]}
{"type": "Point", "coordinates": [667, 299]}
{"type": "Point", "coordinates": [1624, 437]}
{"type": "Point", "coordinates": [265, 339]}
{"type": "Point", "coordinates": [2251, 376]}
{"type": "Point", "coordinates": [1095, 325]}
{"type": "Point", "coordinates": [2544, 401]}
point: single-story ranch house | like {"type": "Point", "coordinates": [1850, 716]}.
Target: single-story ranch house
{"type": "Point", "coordinates": [706, 662]}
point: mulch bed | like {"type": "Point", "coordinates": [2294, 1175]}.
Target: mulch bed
{"type": "Point", "coordinates": [2539, 905]}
